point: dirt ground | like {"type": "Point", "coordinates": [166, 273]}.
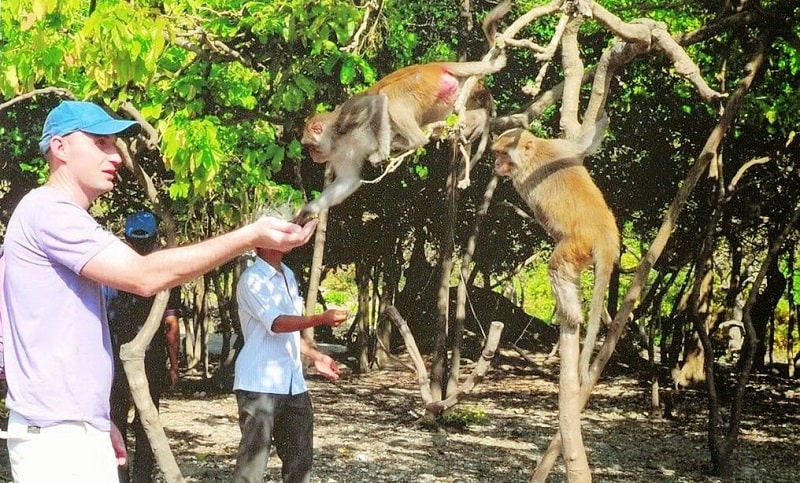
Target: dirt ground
{"type": "Point", "coordinates": [367, 430]}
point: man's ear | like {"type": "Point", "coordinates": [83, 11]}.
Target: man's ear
{"type": "Point", "coordinates": [57, 147]}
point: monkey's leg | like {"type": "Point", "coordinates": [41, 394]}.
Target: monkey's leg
{"type": "Point", "coordinates": [602, 277]}
{"type": "Point", "coordinates": [565, 283]}
{"type": "Point", "coordinates": [406, 127]}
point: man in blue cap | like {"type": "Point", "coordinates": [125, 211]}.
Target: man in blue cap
{"type": "Point", "coordinates": [127, 313]}
{"type": "Point", "coordinates": [59, 363]}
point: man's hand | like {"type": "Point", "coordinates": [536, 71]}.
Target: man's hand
{"type": "Point", "coordinates": [118, 443]}
{"type": "Point", "coordinates": [280, 235]}
{"type": "Point", "coordinates": [326, 366]}
{"type": "Point", "coordinates": [334, 317]}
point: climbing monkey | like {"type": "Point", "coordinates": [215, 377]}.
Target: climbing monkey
{"type": "Point", "coordinates": [413, 98]}
{"type": "Point", "coordinates": [550, 177]}
{"type": "Point", "coordinates": [356, 130]}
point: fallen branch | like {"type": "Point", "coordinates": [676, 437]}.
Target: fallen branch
{"type": "Point", "coordinates": [478, 372]}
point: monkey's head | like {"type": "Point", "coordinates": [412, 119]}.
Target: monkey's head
{"type": "Point", "coordinates": [511, 149]}
{"type": "Point", "coordinates": [314, 138]}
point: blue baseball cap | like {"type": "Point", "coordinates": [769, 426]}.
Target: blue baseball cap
{"type": "Point", "coordinates": [141, 225]}
{"type": "Point", "coordinates": [71, 116]}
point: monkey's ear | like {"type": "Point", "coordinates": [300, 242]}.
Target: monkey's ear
{"type": "Point", "coordinates": [528, 146]}
{"type": "Point", "coordinates": [315, 127]}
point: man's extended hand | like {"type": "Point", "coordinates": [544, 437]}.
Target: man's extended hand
{"type": "Point", "coordinates": [276, 234]}
{"type": "Point", "coordinates": [118, 443]}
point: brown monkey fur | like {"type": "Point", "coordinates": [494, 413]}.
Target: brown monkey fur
{"type": "Point", "coordinates": [549, 175]}
{"type": "Point", "coordinates": [415, 96]}
{"type": "Point", "coordinates": [357, 130]}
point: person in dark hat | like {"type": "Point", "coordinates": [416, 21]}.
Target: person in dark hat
{"type": "Point", "coordinates": [127, 313]}
{"type": "Point", "coordinates": [58, 357]}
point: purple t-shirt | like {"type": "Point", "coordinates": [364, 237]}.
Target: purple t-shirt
{"type": "Point", "coordinates": [58, 357]}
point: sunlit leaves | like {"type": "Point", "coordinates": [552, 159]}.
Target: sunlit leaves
{"type": "Point", "coordinates": [192, 150]}
{"type": "Point", "coordinates": [129, 42]}
{"type": "Point", "coordinates": [238, 86]}
{"type": "Point", "coordinates": [294, 150]}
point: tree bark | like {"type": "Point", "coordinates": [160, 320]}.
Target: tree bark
{"type": "Point", "coordinates": [132, 356]}
{"type": "Point", "coordinates": [364, 334]}
{"type": "Point", "coordinates": [315, 272]}
{"type": "Point", "coordinates": [441, 366]}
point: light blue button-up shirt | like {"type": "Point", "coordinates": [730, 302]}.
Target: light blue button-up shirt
{"type": "Point", "coordinates": [269, 362]}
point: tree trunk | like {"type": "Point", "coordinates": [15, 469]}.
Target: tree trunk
{"type": "Point", "coordinates": [195, 325]}
{"type": "Point", "coordinates": [569, 405]}
{"type": "Point", "coordinates": [315, 274]}
{"type": "Point", "coordinates": [461, 294]}
{"type": "Point", "coordinates": [132, 356]}
{"type": "Point", "coordinates": [792, 322]}
{"type": "Point", "coordinates": [722, 448]}
{"type": "Point", "coordinates": [364, 333]}
{"type": "Point", "coordinates": [440, 365]}
{"type": "Point", "coordinates": [763, 311]}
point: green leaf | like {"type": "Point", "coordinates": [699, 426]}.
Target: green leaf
{"type": "Point", "coordinates": [347, 73]}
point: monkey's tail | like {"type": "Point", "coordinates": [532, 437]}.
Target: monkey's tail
{"type": "Point", "coordinates": [602, 279]}
{"type": "Point", "coordinates": [476, 67]}
{"type": "Point", "coordinates": [489, 24]}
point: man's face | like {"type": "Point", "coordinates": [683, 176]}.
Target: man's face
{"type": "Point", "coordinates": [92, 160]}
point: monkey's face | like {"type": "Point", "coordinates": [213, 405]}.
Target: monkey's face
{"type": "Point", "coordinates": [317, 154]}
{"type": "Point", "coordinates": [315, 139]}
{"type": "Point", "coordinates": [505, 152]}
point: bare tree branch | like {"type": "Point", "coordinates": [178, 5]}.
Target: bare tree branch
{"type": "Point", "coordinates": [38, 92]}
{"type": "Point", "coordinates": [741, 171]}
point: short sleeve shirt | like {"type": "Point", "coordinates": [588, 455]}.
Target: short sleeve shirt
{"type": "Point", "coordinates": [269, 362]}
{"type": "Point", "coordinates": [57, 345]}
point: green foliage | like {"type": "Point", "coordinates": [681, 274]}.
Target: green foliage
{"type": "Point", "coordinates": [466, 416]}
{"type": "Point", "coordinates": [338, 289]}
{"type": "Point", "coordinates": [535, 287]}
{"type": "Point", "coordinates": [463, 416]}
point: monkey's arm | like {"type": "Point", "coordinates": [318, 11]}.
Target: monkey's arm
{"type": "Point", "coordinates": [334, 194]}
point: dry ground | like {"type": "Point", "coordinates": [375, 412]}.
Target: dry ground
{"type": "Point", "coordinates": [367, 431]}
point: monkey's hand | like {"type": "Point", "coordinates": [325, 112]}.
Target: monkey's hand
{"type": "Point", "coordinates": [305, 215]}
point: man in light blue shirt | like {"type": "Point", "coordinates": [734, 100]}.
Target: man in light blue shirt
{"type": "Point", "coordinates": [271, 391]}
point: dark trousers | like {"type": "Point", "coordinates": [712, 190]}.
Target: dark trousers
{"type": "Point", "coordinates": [286, 420]}
{"type": "Point", "coordinates": [141, 471]}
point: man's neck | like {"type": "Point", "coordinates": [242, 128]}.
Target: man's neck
{"type": "Point", "coordinates": [69, 189]}
{"type": "Point", "coordinates": [272, 257]}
